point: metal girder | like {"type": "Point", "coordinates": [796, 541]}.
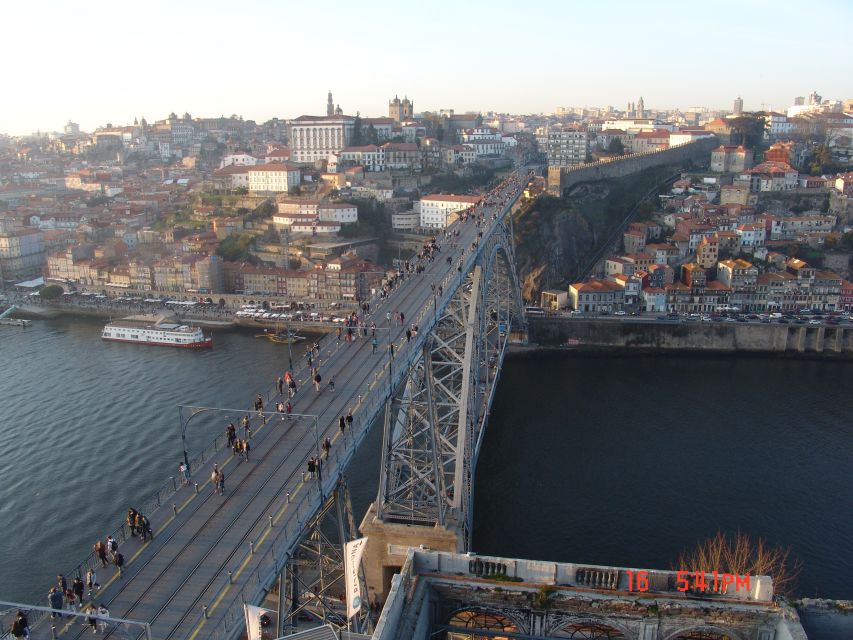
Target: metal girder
{"type": "Point", "coordinates": [433, 426]}
{"type": "Point", "coordinates": [312, 582]}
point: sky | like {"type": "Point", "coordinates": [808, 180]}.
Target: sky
{"type": "Point", "coordinates": [96, 62]}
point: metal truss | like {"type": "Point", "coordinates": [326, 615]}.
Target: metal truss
{"type": "Point", "coordinates": [312, 582]}
{"type": "Point", "coordinates": [434, 425]}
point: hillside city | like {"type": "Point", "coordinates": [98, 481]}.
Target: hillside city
{"type": "Point", "coordinates": [320, 210]}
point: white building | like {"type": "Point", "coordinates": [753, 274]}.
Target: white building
{"type": "Point", "coordinates": [480, 133]}
{"type": "Point", "coordinates": [636, 125]}
{"type": "Point", "coordinates": [21, 253]}
{"type": "Point", "coordinates": [273, 178]}
{"type": "Point", "coordinates": [485, 148]}
{"type": "Point", "coordinates": [239, 159]}
{"type": "Point", "coordinates": [405, 220]}
{"type": "Point", "coordinates": [688, 135]}
{"type": "Point", "coordinates": [315, 138]}
{"type": "Point", "coordinates": [438, 210]}
{"type": "Point", "coordinates": [371, 157]}
{"type": "Point", "coordinates": [567, 146]}
{"type": "Point", "coordinates": [292, 211]}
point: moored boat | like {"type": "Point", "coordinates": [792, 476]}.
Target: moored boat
{"type": "Point", "coordinates": [156, 331]}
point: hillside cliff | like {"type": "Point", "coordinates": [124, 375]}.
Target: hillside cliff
{"type": "Point", "coordinates": [556, 238]}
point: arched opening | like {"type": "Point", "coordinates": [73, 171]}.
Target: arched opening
{"type": "Point", "coordinates": [479, 620]}
{"type": "Point", "coordinates": [587, 630]}
{"type": "Point", "coordinates": [698, 634]}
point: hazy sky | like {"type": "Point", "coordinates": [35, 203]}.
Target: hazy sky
{"type": "Point", "coordinates": [96, 62]}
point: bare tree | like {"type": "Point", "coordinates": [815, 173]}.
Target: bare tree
{"type": "Point", "coordinates": [742, 555]}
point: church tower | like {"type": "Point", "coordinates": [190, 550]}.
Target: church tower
{"type": "Point", "coordinates": [641, 108]}
{"type": "Point", "coordinates": [330, 105]}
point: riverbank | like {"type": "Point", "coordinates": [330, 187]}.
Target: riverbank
{"type": "Point", "coordinates": [219, 321]}
{"type": "Point", "coordinates": [642, 337]}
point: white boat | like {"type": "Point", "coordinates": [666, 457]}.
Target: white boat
{"type": "Point", "coordinates": [154, 330]}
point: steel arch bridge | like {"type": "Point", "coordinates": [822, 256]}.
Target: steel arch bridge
{"type": "Point", "coordinates": [434, 425]}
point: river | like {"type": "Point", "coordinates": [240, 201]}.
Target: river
{"type": "Point", "coordinates": [599, 460]}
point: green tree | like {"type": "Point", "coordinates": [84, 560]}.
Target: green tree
{"type": "Point", "coordinates": [357, 138]}
{"type": "Point", "coordinates": [847, 241]}
{"type": "Point", "coordinates": [371, 137]}
{"type": "Point", "coordinates": [616, 147]}
{"type": "Point", "coordinates": [820, 160]}
{"type": "Point", "coordinates": [51, 292]}
{"type": "Point", "coordinates": [748, 129]}
{"type": "Point", "coordinates": [235, 248]}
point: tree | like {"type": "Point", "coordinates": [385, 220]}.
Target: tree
{"type": "Point", "coordinates": [357, 138]}
{"type": "Point", "coordinates": [748, 129]}
{"type": "Point", "coordinates": [741, 555]}
{"type": "Point", "coordinates": [820, 160]}
{"type": "Point", "coordinates": [847, 241]}
{"type": "Point", "coordinates": [371, 137]}
{"type": "Point", "coordinates": [235, 248]}
{"type": "Point", "coordinates": [51, 292]}
{"type": "Point", "coordinates": [616, 147]}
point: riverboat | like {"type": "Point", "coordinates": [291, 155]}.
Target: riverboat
{"type": "Point", "coordinates": [156, 331]}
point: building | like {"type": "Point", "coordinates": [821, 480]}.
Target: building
{"type": "Point", "coordinates": [22, 254]}
{"type": "Point", "coordinates": [737, 109]}
{"type": "Point", "coordinates": [438, 210]}
{"type": "Point", "coordinates": [770, 176]}
{"type": "Point", "coordinates": [401, 110]}
{"type": "Point", "coordinates": [239, 159]}
{"type": "Point", "coordinates": [295, 213]}
{"type": "Point", "coordinates": [730, 159]}
{"type": "Point", "coordinates": [708, 252]}
{"type": "Point", "coordinates": [314, 138]}
{"type": "Point", "coordinates": [369, 156]}
{"type": "Point", "coordinates": [596, 296]}
{"type": "Point", "coordinates": [553, 299]}
{"type": "Point", "coordinates": [645, 141]}
{"type": "Point", "coordinates": [567, 146]}
{"type": "Point", "coordinates": [738, 193]}
{"type": "Point", "coordinates": [274, 178]}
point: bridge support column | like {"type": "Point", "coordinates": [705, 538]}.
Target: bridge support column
{"type": "Point", "coordinates": [389, 542]}
{"type": "Point", "coordinates": [312, 581]}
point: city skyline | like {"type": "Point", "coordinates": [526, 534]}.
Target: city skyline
{"type": "Point", "coordinates": [110, 64]}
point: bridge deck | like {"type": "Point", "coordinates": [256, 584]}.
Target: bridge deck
{"type": "Point", "coordinates": [168, 580]}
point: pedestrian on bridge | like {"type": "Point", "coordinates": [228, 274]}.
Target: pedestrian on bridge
{"type": "Point", "coordinates": [78, 588]}
{"type": "Point", "coordinates": [289, 408]}
{"type": "Point", "coordinates": [221, 483]}
{"type": "Point", "coordinates": [112, 547]}
{"type": "Point", "coordinates": [342, 423]}
{"type": "Point", "coordinates": [312, 467]}
{"type": "Point", "coordinates": [291, 388]}
{"type": "Point", "coordinates": [279, 384]}
{"type": "Point", "coordinates": [55, 599]}
{"type": "Point", "coordinates": [246, 448]}
{"type": "Point", "coordinates": [92, 581]}
{"type": "Point", "coordinates": [327, 446]}
{"type": "Point", "coordinates": [101, 552]}
{"type": "Point", "coordinates": [119, 564]}
{"type": "Point", "coordinates": [375, 343]}
{"type": "Point", "coordinates": [332, 384]}
{"type": "Point", "coordinates": [185, 473]}
{"type": "Point", "coordinates": [317, 380]}
{"type": "Point", "coordinates": [103, 612]}
{"type": "Point", "coordinates": [349, 419]}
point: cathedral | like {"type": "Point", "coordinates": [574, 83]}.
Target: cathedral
{"type": "Point", "coordinates": [400, 111]}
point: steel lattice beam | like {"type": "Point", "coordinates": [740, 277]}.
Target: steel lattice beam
{"type": "Point", "coordinates": [433, 427]}
{"type": "Point", "coordinates": [312, 583]}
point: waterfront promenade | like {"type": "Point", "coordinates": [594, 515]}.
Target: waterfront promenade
{"type": "Point", "coordinates": [212, 552]}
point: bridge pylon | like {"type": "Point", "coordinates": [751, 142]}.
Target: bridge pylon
{"type": "Point", "coordinates": [435, 420]}
{"type": "Point", "coordinates": [311, 585]}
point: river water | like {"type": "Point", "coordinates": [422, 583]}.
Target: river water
{"type": "Point", "coordinates": [599, 460]}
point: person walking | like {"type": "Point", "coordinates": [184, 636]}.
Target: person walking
{"type": "Point", "coordinates": [327, 446]}
{"type": "Point", "coordinates": [101, 552]}
{"type": "Point", "coordinates": [55, 599]}
{"type": "Point", "coordinates": [408, 335]}
{"type": "Point", "coordinates": [375, 344]}
{"type": "Point", "coordinates": [279, 384]}
{"type": "Point", "coordinates": [214, 477]}
{"type": "Point", "coordinates": [78, 588]}
{"type": "Point", "coordinates": [20, 626]}
{"type": "Point", "coordinates": [231, 432]}
{"type": "Point", "coordinates": [317, 380]}
{"type": "Point", "coordinates": [391, 349]}
{"type": "Point", "coordinates": [342, 423]}
{"type": "Point", "coordinates": [291, 388]}
{"type": "Point", "coordinates": [349, 420]}
{"type": "Point", "coordinates": [332, 384]}
{"type": "Point", "coordinates": [119, 562]}
{"type": "Point", "coordinates": [221, 483]}
{"type": "Point", "coordinates": [312, 467]}
{"type": "Point", "coordinates": [338, 332]}
{"type": "Point", "coordinates": [112, 547]}
{"type": "Point", "coordinates": [289, 408]}
{"type": "Point", "coordinates": [185, 473]}
{"type": "Point", "coordinates": [246, 448]}
{"type": "Point", "coordinates": [92, 582]}
{"type": "Point", "coordinates": [103, 612]}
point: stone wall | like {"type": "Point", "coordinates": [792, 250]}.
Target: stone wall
{"type": "Point", "coordinates": [562, 178]}
{"type": "Point", "coordinates": [644, 337]}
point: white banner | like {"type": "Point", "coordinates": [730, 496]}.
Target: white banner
{"type": "Point", "coordinates": [352, 562]}
{"type": "Point", "coordinates": [253, 621]}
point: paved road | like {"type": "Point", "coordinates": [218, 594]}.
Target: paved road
{"type": "Point", "coordinates": [206, 536]}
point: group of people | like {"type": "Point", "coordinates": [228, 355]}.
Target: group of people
{"type": "Point", "coordinates": [138, 524]}
{"type": "Point", "coordinates": [72, 597]}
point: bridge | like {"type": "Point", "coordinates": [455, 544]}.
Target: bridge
{"type": "Point", "coordinates": [276, 534]}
